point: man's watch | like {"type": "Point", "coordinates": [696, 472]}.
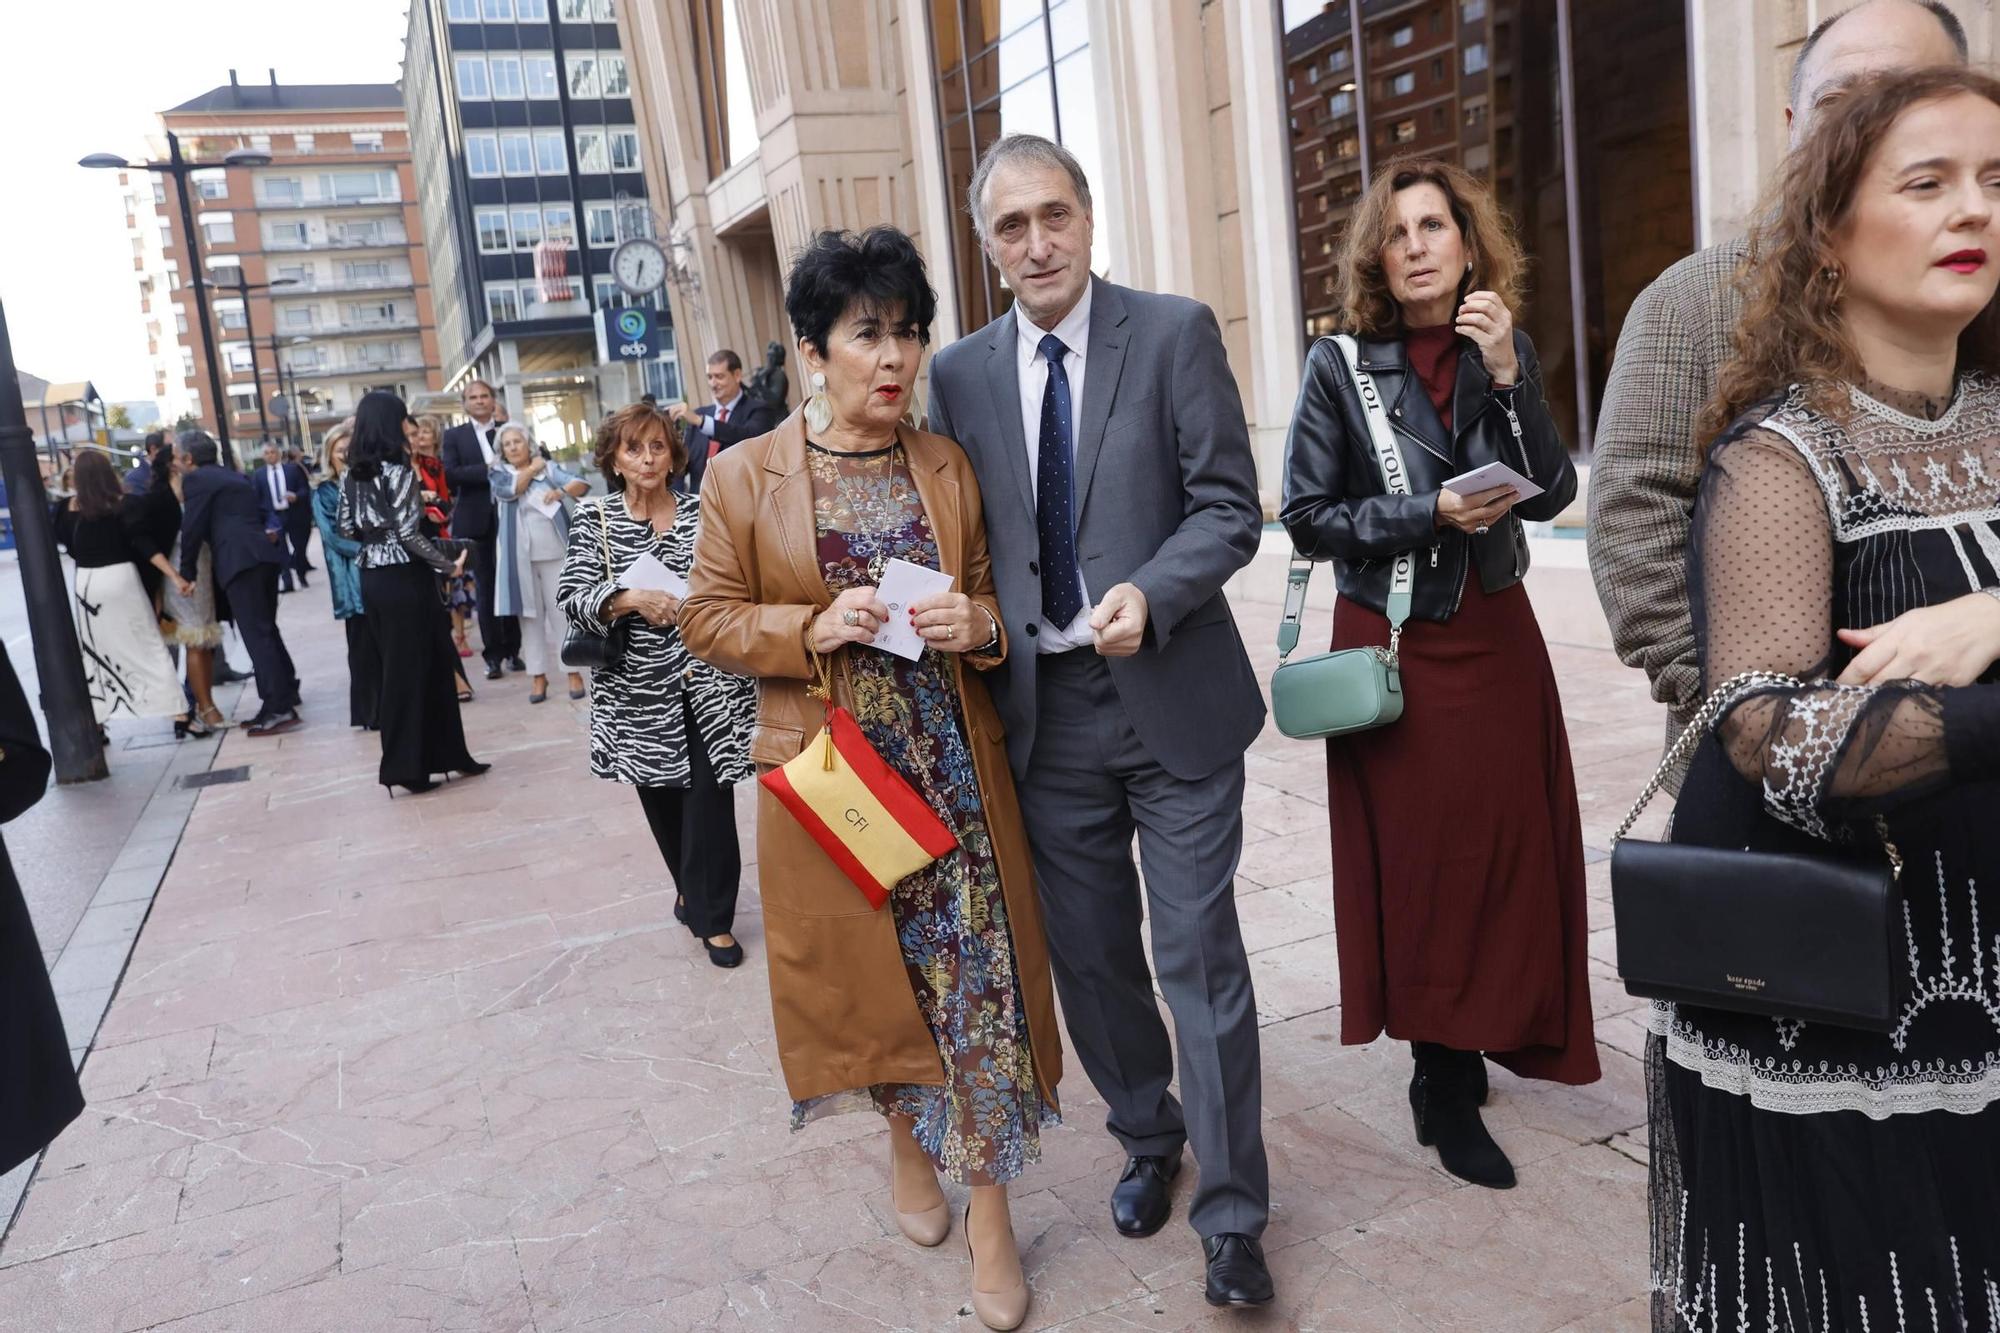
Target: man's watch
{"type": "Point", "coordinates": [993, 639]}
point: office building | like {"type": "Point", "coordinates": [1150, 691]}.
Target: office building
{"type": "Point", "coordinates": [527, 145]}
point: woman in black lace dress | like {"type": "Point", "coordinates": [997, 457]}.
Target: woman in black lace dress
{"type": "Point", "coordinates": [1809, 1176]}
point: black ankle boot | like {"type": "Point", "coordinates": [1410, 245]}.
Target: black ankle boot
{"type": "Point", "coordinates": [1445, 1093]}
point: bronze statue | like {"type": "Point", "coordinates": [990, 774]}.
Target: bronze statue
{"type": "Point", "coordinates": [769, 381]}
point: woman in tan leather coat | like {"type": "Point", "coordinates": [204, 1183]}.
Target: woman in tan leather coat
{"type": "Point", "coordinates": [937, 1009]}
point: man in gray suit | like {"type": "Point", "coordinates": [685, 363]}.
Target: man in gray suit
{"type": "Point", "coordinates": [1120, 493]}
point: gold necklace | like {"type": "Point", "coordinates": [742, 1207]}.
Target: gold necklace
{"type": "Point", "coordinates": [877, 563]}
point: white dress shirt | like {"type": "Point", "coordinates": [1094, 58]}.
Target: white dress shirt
{"type": "Point", "coordinates": [277, 480]}
{"type": "Point", "coordinates": [1074, 330]}
{"type": "Point", "coordinates": [484, 433]}
{"type": "Point", "coordinates": [708, 419]}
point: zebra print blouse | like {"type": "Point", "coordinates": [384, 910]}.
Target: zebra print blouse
{"type": "Point", "coordinates": [637, 733]}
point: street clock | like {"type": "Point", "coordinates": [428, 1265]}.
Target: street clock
{"type": "Point", "coordinates": [640, 266]}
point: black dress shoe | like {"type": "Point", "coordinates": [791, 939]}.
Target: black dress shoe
{"type": "Point", "coordinates": [724, 955]}
{"type": "Point", "coordinates": [516, 664]}
{"type": "Point", "coordinates": [1236, 1271]}
{"type": "Point", "coordinates": [1143, 1198]}
{"type": "Point", "coordinates": [1444, 1101]}
{"type": "Point", "coordinates": [493, 671]}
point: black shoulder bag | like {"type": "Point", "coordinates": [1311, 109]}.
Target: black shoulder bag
{"type": "Point", "coordinates": [587, 648]}
{"type": "Point", "coordinates": [1783, 934]}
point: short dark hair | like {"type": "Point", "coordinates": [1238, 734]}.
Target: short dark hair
{"type": "Point", "coordinates": [200, 446]}
{"type": "Point", "coordinates": [378, 434]}
{"type": "Point", "coordinates": [628, 421]}
{"type": "Point", "coordinates": [1938, 10]}
{"type": "Point", "coordinates": [154, 439]}
{"type": "Point", "coordinates": [879, 269]}
{"type": "Point", "coordinates": [725, 358]}
{"type": "Point", "coordinates": [98, 490]}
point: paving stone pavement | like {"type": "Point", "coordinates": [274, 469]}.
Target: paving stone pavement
{"type": "Point", "coordinates": [448, 1063]}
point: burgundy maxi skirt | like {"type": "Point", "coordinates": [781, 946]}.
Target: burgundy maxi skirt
{"type": "Point", "coordinates": [1458, 887]}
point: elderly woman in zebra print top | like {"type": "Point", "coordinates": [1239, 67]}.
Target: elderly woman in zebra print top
{"type": "Point", "coordinates": [674, 727]}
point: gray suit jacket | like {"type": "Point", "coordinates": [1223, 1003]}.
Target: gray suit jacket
{"type": "Point", "coordinates": [1166, 500]}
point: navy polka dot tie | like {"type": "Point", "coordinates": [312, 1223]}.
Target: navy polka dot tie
{"type": "Point", "coordinates": [1055, 493]}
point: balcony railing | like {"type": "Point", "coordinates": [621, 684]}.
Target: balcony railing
{"type": "Point", "coordinates": [379, 241]}
{"type": "Point", "coordinates": [344, 327]}
{"type": "Point", "coordinates": [343, 370]}
{"type": "Point", "coordinates": [318, 201]}
{"type": "Point", "coordinates": [307, 286]}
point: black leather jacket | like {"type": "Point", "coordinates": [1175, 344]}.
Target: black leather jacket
{"type": "Point", "coordinates": [1336, 507]}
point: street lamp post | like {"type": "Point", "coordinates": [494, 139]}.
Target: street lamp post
{"type": "Point", "coordinates": [73, 737]}
{"type": "Point", "coordinates": [243, 288]}
{"type": "Point", "coordinates": [179, 168]}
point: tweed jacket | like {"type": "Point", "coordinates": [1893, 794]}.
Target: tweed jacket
{"type": "Point", "coordinates": [1646, 470]}
{"type": "Point", "coordinates": [840, 995]}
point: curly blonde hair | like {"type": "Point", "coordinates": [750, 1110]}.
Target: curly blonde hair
{"type": "Point", "coordinates": [1366, 306]}
{"type": "Point", "coordinates": [1792, 330]}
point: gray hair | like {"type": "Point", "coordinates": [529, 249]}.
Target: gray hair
{"type": "Point", "coordinates": [513, 428]}
{"type": "Point", "coordinates": [1028, 148]}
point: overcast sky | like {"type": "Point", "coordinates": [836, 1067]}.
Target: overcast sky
{"type": "Point", "coordinates": [90, 76]}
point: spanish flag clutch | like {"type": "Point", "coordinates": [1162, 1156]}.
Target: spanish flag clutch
{"type": "Point", "coordinates": [877, 828]}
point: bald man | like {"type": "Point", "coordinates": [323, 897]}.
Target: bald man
{"type": "Point", "coordinates": [1646, 469]}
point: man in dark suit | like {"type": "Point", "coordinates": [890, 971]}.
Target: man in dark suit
{"type": "Point", "coordinates": [283, 488]}
{"type": "Point", "coordinates": [734, 416]}
{"type": "Point", "coordinates": [233, 515]}
{"type": "Point", "coordinates": [469, 449]}
{"type": "Point", "coordinates": [140, 479]}
{"type": "Point", "coordinates": [1121, 495]}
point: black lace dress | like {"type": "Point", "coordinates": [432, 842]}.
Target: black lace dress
{"type": "Point", "coordinates": [1805, 1176]}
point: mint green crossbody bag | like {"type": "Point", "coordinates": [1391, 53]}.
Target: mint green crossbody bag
{"type": "Point", "coordinates": [1355, 689]}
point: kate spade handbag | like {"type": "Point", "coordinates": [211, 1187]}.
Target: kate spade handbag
{"type": "Point", "coordinates": [1783, 934]}
{"type": "Point", "coordinates": [1354, 689]}
{"type": "Point", "coordinates": [587, 648]}
{"type": "Point", "coordinates": [874, 825]}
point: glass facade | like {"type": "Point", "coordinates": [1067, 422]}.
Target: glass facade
{"type": "Point", "coordinates": [1479, 83]}
{"type": "Point", "coordinates": [1004, 67]}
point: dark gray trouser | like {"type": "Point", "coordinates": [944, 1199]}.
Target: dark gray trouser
{"type": "Point", "coordinates": [1090, 784]}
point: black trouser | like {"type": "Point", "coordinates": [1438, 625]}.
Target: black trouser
{"type": "Point", "coordinates": [499, 636]}
{"type": "Point", "coordinates": [695, 827]}
{"type": "Point", "coordinates": [253, 601]}
{"type": "Point", "coordinates": [417, 708]}
{"type": "Point", "coordinates": [298, 530]}
{"type": "Point", "coordinates": [364, 671]}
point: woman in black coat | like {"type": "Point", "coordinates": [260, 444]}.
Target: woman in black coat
{"type": "Point", "coordinates": [39, 1093]}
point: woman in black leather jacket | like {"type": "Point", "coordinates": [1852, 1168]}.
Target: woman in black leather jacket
{"type": "Point", "coordinates": [382, 508]}
{"type": "Point", "coordinates": [1457, 847]}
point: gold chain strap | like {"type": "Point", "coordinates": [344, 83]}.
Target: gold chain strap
{"type": "Point", "coordinates": [1701, 724]}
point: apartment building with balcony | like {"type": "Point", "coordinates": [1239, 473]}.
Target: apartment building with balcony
{"type": "Point", "coordinates": [327, 236]}
{"type": "Point", "coordinates": [527, 150]}
{"type": "Point", "coordinates": [148, 210]}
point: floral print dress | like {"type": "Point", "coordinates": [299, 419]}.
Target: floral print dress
{"type": "Point", "coordinates": [983, 1125]}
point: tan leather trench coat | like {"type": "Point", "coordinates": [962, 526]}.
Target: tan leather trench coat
{"type": "Point", "coordinates": [841, 1000]}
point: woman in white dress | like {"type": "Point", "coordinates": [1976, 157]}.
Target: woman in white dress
{"type": "Point", "coordinates": [107, 535]}
{"type": "Point", "coordinates": [533, 537]}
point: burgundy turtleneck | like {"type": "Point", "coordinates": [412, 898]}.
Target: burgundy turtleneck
{"type": "Point", "coordinates": [1433, 354]}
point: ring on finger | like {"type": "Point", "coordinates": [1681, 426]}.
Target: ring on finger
{"type": "Point", "coordinates": [850, 617]}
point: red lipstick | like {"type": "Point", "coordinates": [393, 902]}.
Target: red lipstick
{"type": "Point", "coordinates": [1963, 261]}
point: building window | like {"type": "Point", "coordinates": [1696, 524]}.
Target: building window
{"type": "Point", "coordinates": [1475, 112]}
{"type": "Point", "coordinates": [1401, 85]}
{"type": "Point", "coordinates": [218, 228]}
{"type": "Point", "coordinates": [527, 228]}
{"type": "Point", "coordinates": [1472, 11]}
{"type": "Point", "coordinates": [1404, 131]}
{"type": "Point", "coordinates": [1478, 158]}
{"type": "Point", "coordinates": [559, 224]}
{"type": "Point", "coordinates": [612, 75]}
{"type": "Point", "coordinates": [517, 154]}
{"type": "Point", "coordinates": [159, 191]}
{"type": "Point", "coordinates": [229, 314]}
{"type": "Point", "coordinates": [354, 187]}
{"type": "Point", "coordinates": [583, 75]}
{"type": "Point", "coordinates": [1339, 58]}
{"type": "Point", "coordinates": [506, 76]}
{"type": "Point", "coordinates": [366, 143]}
{"type": "Point", "coordinates": [187, 356]}
{"type": "Point", "coordinates": [180, 320]}
{"type": "Point", "coordinates": [281, 189]}
{"type": "Point", "coordinates": [289, 235]}
{"type": "Point", "coordinates": [1312, 75]}
{"type": "Point", "coordinates": [531, 11]}
{"type": "Point", "coordinates": [366, 270]}
{"type": "Point", "coordinates": [471, 72]}
{"type": "Point", "coordinates": [591, 157]}
{"type": "Point", "coordinates": [575, 11]}
{"type": "Point", "coordinates": [238, 355]}
{"type": "Point", "coordinates": [492, 226]}
{"type": "Point", "coordinates": [302, 143]}
{"type": "Point", "coordinates": [604, 291]}
{"type": "Point", "coordinates": [538, 74]}
{"type": "Point", "coordinates": [550, 159]}
{"type": "Point", "coordinates": [260, 143]}
{"type": "Point", "coordinates": [496, 11]}
{"type": "Point", "coordinates": [624, 149]}
{"type": "Point", "coordinates": [1340, 104]}
{"type": "Point", "coordinates": [298, 317]}
{"type": "Point", "coordinates": [604, 11]}
{"type": "Point", "coordinates": [1437, 69]}
{"type": "Point", "coordinates": [600, 224]}
{"type": "Point", "coordinates": [1347, 147]}
{"type": "Point", "coordinates": [483, 155]}
{"type": "Point", "coordinates": [210, 183]}
{"type": "Point", "coordinates": [462, 11]}
{"type": "Point", "coordinates": [1402, 36]}
{"type": "Point", "coordinates": [1475, 58]}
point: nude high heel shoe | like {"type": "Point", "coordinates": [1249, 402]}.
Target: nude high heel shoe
{"type": "Point", "coordinates": [927, 1227]}
{"type": "Point", "coordinates": [1000, 1311]}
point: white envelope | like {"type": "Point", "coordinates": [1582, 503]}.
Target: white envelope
{"type": "Point", "coordinates": [1491, 477]}
{"type": "Point", "coordinates": [903, 584]}
{"type": "Point", "coordinates": [647, 574]}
